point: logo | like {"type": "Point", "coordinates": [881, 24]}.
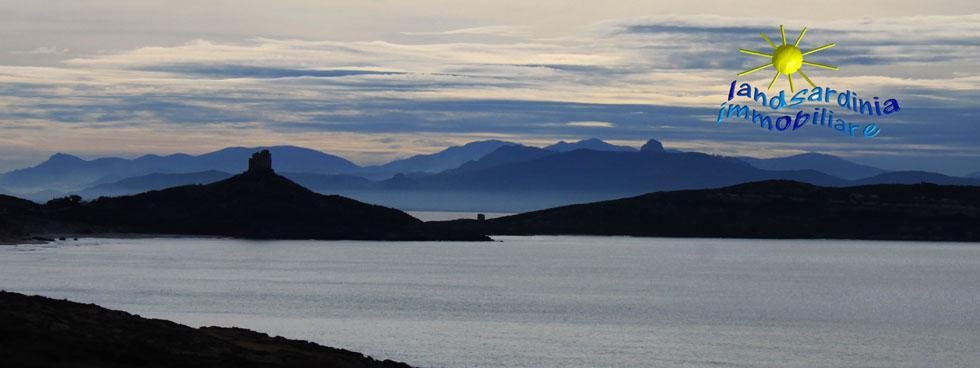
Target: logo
{"type": "Point", "coordinates": [788, 59]}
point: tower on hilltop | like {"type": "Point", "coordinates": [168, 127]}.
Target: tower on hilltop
{"type": "Point", "coordinates": [260, 161]}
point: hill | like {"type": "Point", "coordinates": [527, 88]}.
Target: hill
{"type": "Point", "coordinates": [768, 209]}
{"type": "Point", "coordinates": [826, 164]}
{"type": "Point", "coordinates": [257, 204]}
{"type": "Point", "coordinates": [150, 182]}
{"type": "Point", "coordinates": [594, 144]}
{"type": "Point", "coordinates": [446, 159]}
{"type": "Point", "coordinates": [41, 332]}
{"type": "Point", "coordinates": [501, 156]}
{"type": "Point", "coordinates": [916, 177]}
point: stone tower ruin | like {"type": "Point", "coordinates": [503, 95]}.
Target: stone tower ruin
{"type": "Point", "coordinates": [260, 161]}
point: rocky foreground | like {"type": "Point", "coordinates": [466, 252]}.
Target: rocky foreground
{"type": "Point", "coordinates": [42, 332]}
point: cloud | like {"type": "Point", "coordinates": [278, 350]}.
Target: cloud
{"type": "Point", "coordinates": [591, 124]}
{"type": "Point", "coordinates": [635, 79]}
{"type": "Point", "coordinates": [248, 71]}
{"type": "Point", "coordinates": [44, 50]}
{"type": "Point", "coordinates": [504, 30]}
{"type": "Point", "coordinates": [871, 41]}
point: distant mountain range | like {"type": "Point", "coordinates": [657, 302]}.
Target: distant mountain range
{"type": "Point", "coordinates": [150, 182]}
{"type": "Point", "coordinates": [769, 209]}
{"type": "Point", "coordinates": [815, 161]}
{"type": "Point", "coordinates": [486, 175]}
{"type": "Point", "coordinates": [449, 158]}
{"type": "Point", "coordinates": [589, 144]}
{"type": "Point", "coordinates": [68, 173]}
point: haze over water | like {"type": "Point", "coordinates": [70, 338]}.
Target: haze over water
{"type": "Point", "coordinates": [547, 301]}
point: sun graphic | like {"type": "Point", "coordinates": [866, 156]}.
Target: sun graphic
{"type": "Point", "coordinates": [787, 59]}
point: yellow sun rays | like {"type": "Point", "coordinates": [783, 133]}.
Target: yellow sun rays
{"type": "Point", "coordinates": [787, 58]}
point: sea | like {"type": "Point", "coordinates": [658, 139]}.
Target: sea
{"type": "Point", "coordinates": [546, 301]}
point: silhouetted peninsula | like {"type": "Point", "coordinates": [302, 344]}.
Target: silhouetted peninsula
{"type": "Point", "coordinates": [41, 332]}
{"type": "Point", "coordinates": [768, 209]}
{"type": "Point", "coordinates": [257, 204]}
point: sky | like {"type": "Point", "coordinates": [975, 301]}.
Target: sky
{"type": "Point", "coordinates": [375, 80]}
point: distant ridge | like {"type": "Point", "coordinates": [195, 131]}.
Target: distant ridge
{"type": "Point", "coordinates": [69, 173]}
{"type": "Point", "coordinates": [827, 164]}
{"type": "Point", "coordinates": [916, 177]}
{"type": "Point", "coordinates": [153, 181]}
{"type": "Point", "coordinates": [594, 144]}
{"type": "Point", "coordinates": [446, 159]}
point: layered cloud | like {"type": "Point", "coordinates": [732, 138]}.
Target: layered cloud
{"type": "Point", "coordinates": [625, 80]}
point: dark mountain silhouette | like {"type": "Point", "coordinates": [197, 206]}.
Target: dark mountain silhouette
{"type": "Point", "coordinates": [915, 177]}
{"type": "Point", "coordinates": [449, 158]}
{"type": "Point", "coordinates": [827, 164]}
{"type": "Point", "coordinates": [40, 332]}
{"type": "Point", "coordinates": [257, 204]}
{"type": "Point", "coordinates": [652, 145]}
{"type": "Point", "coordinates": [594, 144]}
{"type": "Point", "coordinates": [15, 214]}
{"type": "Point", "coordinates": [150, 182]}
{"type": "Point", "coordinates": [322, 183]}
{"type": "Point", "coordinates": [69, 173]}
{"type": "Point", "coordinates": [769, 209]}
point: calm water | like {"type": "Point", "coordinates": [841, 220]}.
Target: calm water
{"type": "Point", "coordinates": [547, 301]}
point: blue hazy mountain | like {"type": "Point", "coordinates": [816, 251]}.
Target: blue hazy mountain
{"type": "Point", "coordinates": [504, 155]}
{"type": "Point", "coordinates": [617, 172]}
{"type": "Point", "coordinates": [67, 173]}
{"type": "Point", "coordinates": [519, 153]}
{"type": "Point", "coordinates": [594, 144]}
{"type": "Point", "coordinates": [916, 177]}
{"type": "Point", "coordinates": [156, 181]}
{"type": "Point", "coordinates": [559, 178]}
{"type": "Point", "coordinates": [446, 159]}
{"type": "Point", "coordinates": [827, 164]}
{"type": "Point", "coordinates": [975, 175]}
{"type": "Point", "coordinates": [329, 183]}
{"type": "Point", "coordinates": [60, 172]}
